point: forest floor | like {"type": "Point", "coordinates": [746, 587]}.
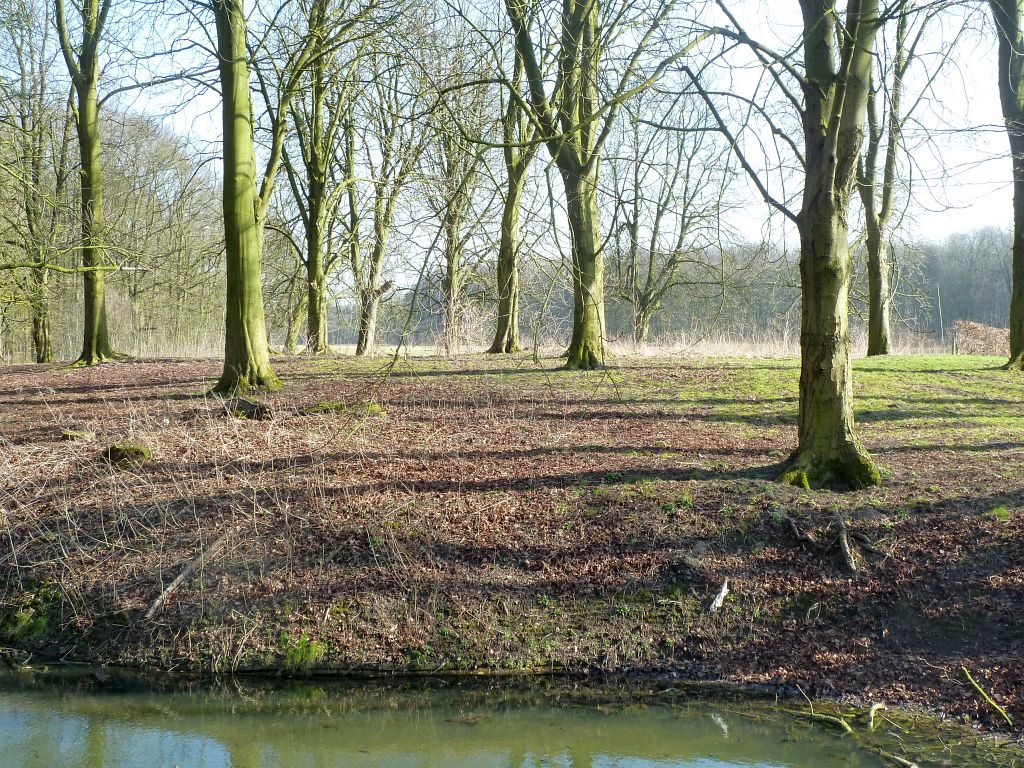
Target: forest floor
{"type": "Point", "coordinates": [504, 514]}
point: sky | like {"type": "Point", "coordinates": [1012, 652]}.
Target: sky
{"type": "Point", "coordinates": [960, 173]}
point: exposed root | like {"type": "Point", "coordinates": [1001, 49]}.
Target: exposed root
{"type": "Point", "coordinates": [844, 545]}
{"type": "Point", "coordinates": [846, 540]}
{"type": "Point", "coordinates": [801, 536]}
{"type": "Point", "coordinates": [865, 543]}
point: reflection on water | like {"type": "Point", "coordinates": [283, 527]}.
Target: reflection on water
{"type": "Point", "coordinates": [46, 726]}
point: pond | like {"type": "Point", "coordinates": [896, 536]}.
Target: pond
{"type": "Point", "coordinates": [74, 721]}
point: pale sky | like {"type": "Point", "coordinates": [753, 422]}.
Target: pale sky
{"type": "Point", "coordinates": [961, 175]}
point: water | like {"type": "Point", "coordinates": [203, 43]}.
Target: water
{"type": "Point", "coordinates": [70, 723]}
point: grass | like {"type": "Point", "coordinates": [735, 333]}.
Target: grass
{"type": "Point", "coordinates": [511, 515]}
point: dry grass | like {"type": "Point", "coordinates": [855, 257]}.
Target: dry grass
{"type": "Point", "coordinates": [506, 514]}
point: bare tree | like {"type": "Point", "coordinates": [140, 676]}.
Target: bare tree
{"type": "Point", "coordinates": [887, 115]}
{"type": "Point", "coordinates": [834, 81]}
{"type": "Point", "coordinates": [668, 180]}
{"type": "Point", "coordinates": [575, 119]}
{"type": "Point", "coordinates": [519, 149]}
{"type": "Point", "coordinates": [83, 65]}
{"type": "Point", "coordinates": [392, 140]}
{"type": "Point", "coordinates": [41, 127]}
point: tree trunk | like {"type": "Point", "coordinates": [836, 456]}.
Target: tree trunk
{"type": "Point", "coordinates": [642, 321]}
{"type": "Point", "coordinates": [1007, 15]}
{"type": "Point", "coordinates": [829, 453]}
{"type": "Point", "coordinates": [1016, 361]}
{"type": "Point", "coordinates": [587, 346]}
{"type": "Point", "coordinates": [367, 338]}
{"type": "Point", "coordinates": [879, 298]}
{"type": "Point", "coordinates": [317, 342]}
{"type": "Point", "coordinates": [451, 284]}
{"type": "Point", "coordinates": [506, 335]}
{"type": "Point", "coordinates": [41, 342]}
{"type": "Point", "coordinates": [246, 352]}
{"type": "Point", "coordinates": [96, 346]}
{"type": "Point", "coordinates": [291, 344]}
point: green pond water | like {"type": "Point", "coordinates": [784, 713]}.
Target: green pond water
{"type": "Point", "coordinates": [120, 725]}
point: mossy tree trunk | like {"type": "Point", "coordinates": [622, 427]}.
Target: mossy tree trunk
{"type": "Point", "coordinates": [83, 66]}
{"type": "Point", "coordinates": [317, 153]}
{"type": "Point", "coordinates": [576, 118]}
{"type": "Point", "coordinates": [246, 352]}
{"type": "Point", "coordinates": [317, 342]}
{"type": "Point", "coordinates": [836, 91]}
{"type": "Point", "coordinates": [587, 346]}
{"type": "Point", "coordinates": [573, 132]}
{"type": "Point", "coordinates": [506, 332]}
{"type": "Point", "coordinates": [366, 339]}
{"type": "Point", "coordinates": [296, 314]}
{"type": "Point", "coordinates": [642, 315]}
{"type": "Point", "coordinates": [42, 344]}
{"type": "Point", "coordinates": [96, 347]}
{"type": "Point", "coordinates": [1008, 17]}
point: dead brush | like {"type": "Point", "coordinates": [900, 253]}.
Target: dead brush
{"type": "Point", "coordinates": [977, 339]}
{"type": "Point", "coordinates": [225, 503]}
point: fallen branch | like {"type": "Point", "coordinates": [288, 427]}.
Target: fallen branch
{"type": "Point", "coordinates": [205, 555]}
{"type": "Point", "coordinates": [871, 715]}
{"type": "Point", "coordinates": [838, 722]}
{"type": "Point", "coordinates": [989, 699]}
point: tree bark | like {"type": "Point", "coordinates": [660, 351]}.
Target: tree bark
{"type": "Point", "coordinates": [451, 280]}
{"type": "Point", "coordinates": [506, 334]}
{"type": "Point", "coordinates": [96, 347]}
{"type": "Point", "coordinates": [291, 344]}
{"type": "Point", "coordinates": [642, 322]}
{"type": "Point", "coordinates": [829, 453]}
{"type": "Point", "coordinates": [879, 291]}
{"type": "Point", "coordinates": [42, 345]}
{"type": "Point", "coordinates": [367, 337]}
{"type": "Point", "coordinates": [586, 348]}
{"type": "Point", "coordinates": [368, 274]}
{"type": "Point", "coordinates": [246, 352]}
{"type": "Point", "coordinates": [317, 342]}
{"type": "Point", "coordinates": [878, 214]}
{"type": "Point", "coordinates": [1008, 18]}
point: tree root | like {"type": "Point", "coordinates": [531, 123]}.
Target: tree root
{"type": "Point", "coordinates": [801, 536]}
{"type": "Point", "coordinates": [845, 539]}
{"type": "Point", "coordinates": [844, 544]}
